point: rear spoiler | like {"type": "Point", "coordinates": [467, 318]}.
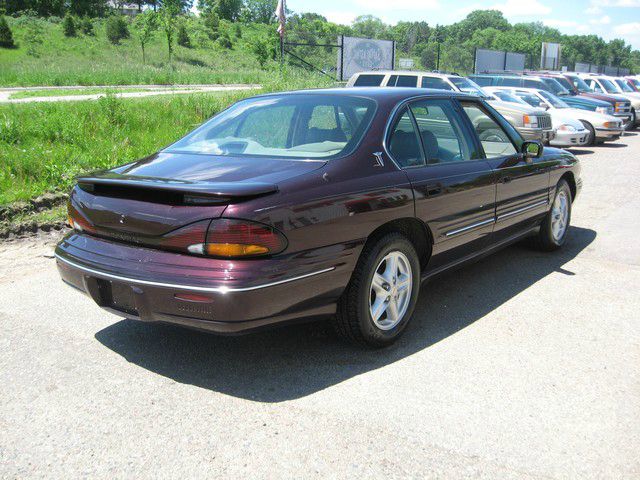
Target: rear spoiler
{"type": "Point", "coordinates": [215, 189]}
{"type": "Point", "coordinates": [173, 191]}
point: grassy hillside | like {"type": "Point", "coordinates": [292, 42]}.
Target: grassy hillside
{"type": "Point", "coordinates": [46, 57]}
{"type": "Point", "coordinates": [43, 146]}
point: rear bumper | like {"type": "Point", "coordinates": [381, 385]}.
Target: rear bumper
{"type": "Point", "coordinates": [215, 295]}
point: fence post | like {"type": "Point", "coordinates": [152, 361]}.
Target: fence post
{"type": "Point", "coordinates": [475, 58]}
{"type": "Point", "coordinates": [438, 59]}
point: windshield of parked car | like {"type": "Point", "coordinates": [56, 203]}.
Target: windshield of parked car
{"type": "Point", "coordinates": [555, 87]}
{"type": "Point", "coordinates": [624, 86]}
{"type": "Point", "coordinates": [531, 98]}
{"type": "Point", "coordinates": [580, 84]}
{"type": "Point", "coordinates": [467, 86]}
{"type": "Point", "coordinates": [566, 84]}
{"type": "Point", "coordinates": [507, 97]}
{"type": "Point", "coordinates": [635, 81]}
{"type": "Point", "coordinates": [553, 100]}
{"type": "Point", "coordinates": [292, 126]}
{"type": "Point", "coordinates": [609, 86]}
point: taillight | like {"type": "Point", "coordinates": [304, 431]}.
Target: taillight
{"type": "Point", "coordinates": [232, 238]}
{"type": "Point", "coordinates": [77, 221]}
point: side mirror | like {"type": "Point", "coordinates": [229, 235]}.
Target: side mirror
{"type": "Point", "coordinates": [531, 149]}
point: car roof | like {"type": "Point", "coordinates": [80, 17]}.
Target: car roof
{"type": "Point", "coordinates": [406, 72]}
{"type": "Point", "coordinates": [526, 89]}
{"type": "Point", "coordinates": [383, 93]}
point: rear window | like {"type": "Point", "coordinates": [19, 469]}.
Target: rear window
{"type": "Point", "coordinates": [292, 126]}
{"type": "Point", "coordinates": [368, 81]}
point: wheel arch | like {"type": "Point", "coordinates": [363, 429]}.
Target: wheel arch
{"type": "Point", "coordinates": [571, 181]}
{"type": "Point", "coordinates": [415, 230]}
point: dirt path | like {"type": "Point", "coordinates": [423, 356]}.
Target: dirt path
{"type": "Point", "coordinates": [150, 90]}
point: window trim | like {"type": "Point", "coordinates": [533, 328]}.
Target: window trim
{"type": "Point", "coordinates": [486, 108]}
{"type": "Point", "coordinates": [456, 103]}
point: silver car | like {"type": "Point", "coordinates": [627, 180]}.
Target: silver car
{"type": "Point", "coordinates": [531, 123]}
{"type": "Point", "coordinates": [574, 126]}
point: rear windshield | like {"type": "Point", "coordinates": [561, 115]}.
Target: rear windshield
{"type": "Point", "coordinates": [368, 81]}
{"type": "Point", "coordinates": [467, 86]}
{"type": "Point", "coordinates": [580, 84]}
{"type": "Point", "coordinates": [292, 126]}
{"type": "Point", "coordinates": [554, 87]}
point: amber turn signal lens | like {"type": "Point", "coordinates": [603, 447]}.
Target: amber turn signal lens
{"type": "Point", "coordinates": [234, 250]}
{"type": "Point", "coordinates": [610, 125]}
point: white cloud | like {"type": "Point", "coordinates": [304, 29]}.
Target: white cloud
{"type": "Point", "coordinates": [385, 5]}
{"type": "Point", "coordinates": [630, 29]}
{"type": "Point", "coordinates": [606, 20]}
{"type": "Point", "coordinates": [511, 8]}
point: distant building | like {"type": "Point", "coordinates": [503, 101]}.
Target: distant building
{"type": "Point", "coordinates": [124, 8]}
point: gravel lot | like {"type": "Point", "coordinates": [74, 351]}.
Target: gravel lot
{"type": "Point", "coordinates": [524, 365]}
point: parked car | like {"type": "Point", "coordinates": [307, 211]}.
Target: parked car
{"type": "Point", "coordinates": [621, 105]}
{"type": "Point", "coordinates": [547, 83]}
{"type": "Point", "coordinates": [604, 84]}
{"type": "Point", "coordinates": [633, 82]}
{"type": "Point", "coordinates": [591, 127]}
{"type": "Point", "coordinates": [324, 203]}
{"type": "Point", "coordinates": [533, 124]}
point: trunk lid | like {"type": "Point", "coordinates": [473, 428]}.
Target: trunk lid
{"type": "Point", "coordinates": [166, 191]}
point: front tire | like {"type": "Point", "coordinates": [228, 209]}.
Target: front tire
{"type": "Point", "coordinates": [555, 226]}
{"type": "Point", "coordinates": [632, 123]}
{"type": "Point", "coordinates": [379, 300]}
{"type": "Point", "coordinates": [591, 140]}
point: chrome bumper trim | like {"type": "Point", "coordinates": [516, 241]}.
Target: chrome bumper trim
{"type": "Point", "coordinates": [190, 287]}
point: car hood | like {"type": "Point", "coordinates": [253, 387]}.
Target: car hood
{"type": "Point", "coordinates": [593, 117]}
{"type": "Point", "coordinates": [566, 116]}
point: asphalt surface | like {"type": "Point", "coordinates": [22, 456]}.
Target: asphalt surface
{"type": "Point", "coordinates": [524, 365]}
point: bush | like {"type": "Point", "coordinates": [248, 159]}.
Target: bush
{"type": "Point", "coordinates": [212, 25]}
{"type": "Point", "coordinates": [86, 26]}
{"type": "Point", "coordinates": [183, 36]}
{"type": "Point", "coordinates": [238, 31]}
{"type": "Point", "coordinates": [69, 26]}
{"type": "Point", "coordinates": [6, 36]}
{"type": "Point", "coordinates": [116, 29]}
{"type": "Point", "coordinates": [225, 41]}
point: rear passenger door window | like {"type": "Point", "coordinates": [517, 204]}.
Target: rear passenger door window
{"type": "Point", "coordinates": [495, 141]}
{"type": "Point", "coordinates": [441, 132]}
{"type": "Point", "coordinates": [434, 82]}
{"type": "Point", "coordinates": [404, 145]}
{"type": "Point", "coordinates": [368, 81]}
{"type": "Point", "coordinates": [407, 81]}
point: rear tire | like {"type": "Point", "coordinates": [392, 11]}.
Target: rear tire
{"type": "Point", "coordinates": [379, 300]}
{"type": "Point", "coordinates": [555, 226]}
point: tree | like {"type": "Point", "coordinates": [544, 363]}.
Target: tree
{"type": "Point", "coordinates": [6, 35]}
{"type": "Point", "coordinates": [145, 24]}
{"type": "Point", "coordinates": [116, 29]}
{"type": "Point", "coordinates": [228, 9]}
{"type": "Point", "coordinates": [82, 8]}
{"type": "Point", "coordinates": [33, 36]}
{"type": "Point", "coordinates": [260, 11]}
{"type": "Point", "coordinates": [263, 52]}
{"type": "Point", "coordinates": [225, 41]}
{"type": "Point", "coordinates": [86, 26]}
{"type": "Point", "coordinates": [69, 26]}
{"type": "Point", "coordinates": [369, 26]}
{"type": "Point", "coordinates": [183, 36]}
{"type": "Point", "coordinates": [168, 18]}
{"type": "Point", "coordinates": [212, 24]}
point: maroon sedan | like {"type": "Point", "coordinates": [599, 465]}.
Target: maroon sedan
{"type": "Point", "coordinates": [325, 203]}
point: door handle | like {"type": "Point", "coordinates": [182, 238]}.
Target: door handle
{"type": "Point", "coordinates": [433, 190]}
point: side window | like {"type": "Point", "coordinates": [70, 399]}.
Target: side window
{"type": "Point", "coordinates": [482, 81]}
{"type": "Point", "coordinates": [534, 84]}
{"type": "Point", "coordinates": [407, 81]}
{"type": "Point", "coordinates": [403, 142]}
{"type": "Point", "coordinates": [594, 86]}
{"type": "Point", "coordinates": [509, 82]}
{"type": "Point", "coordinates": [441, 132]}
{"type": "Point", "coordinates": [392, 81]}
{"type": "Point", "coordinates": [494, 139]}
{"type": "Point", "coordinates": [434, 82]}
{"type": "Point", "coordinates": [368, 81]}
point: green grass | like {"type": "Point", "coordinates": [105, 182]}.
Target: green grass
{"type": "Point", "coordinates": [44, 146]}
{"type": "Point", "coordinates": [92, 60]}
{"type": "Point", "coordinates": [71, 92]}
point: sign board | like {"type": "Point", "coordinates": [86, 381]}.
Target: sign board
{"type": "Point", "coordinates": [362, 54]}
{"type": "Point", "coordinates": [550, 56]}
{"type": "Point", "coordinates": [498, 61]}
{"type": "Point", "coordinates": [405, 63]}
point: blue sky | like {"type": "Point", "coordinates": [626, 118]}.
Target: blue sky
{"type": "Point", "coordinates": [607, 18]}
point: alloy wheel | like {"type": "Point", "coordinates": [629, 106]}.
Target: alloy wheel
{"type": "Point", "coordinates": [390, 290]}
{"type": "Point", "coordinates": [559, 215]}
